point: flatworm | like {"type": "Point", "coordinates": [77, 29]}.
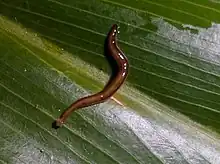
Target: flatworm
{"type": "Point", "coordinates": [113, 85]}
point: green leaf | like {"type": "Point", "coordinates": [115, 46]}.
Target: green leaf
{"type": "Point", "coordinates": [52, 53]}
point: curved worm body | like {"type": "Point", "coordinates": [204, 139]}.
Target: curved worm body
{"type": "Point", "coordinates": [113, 85]}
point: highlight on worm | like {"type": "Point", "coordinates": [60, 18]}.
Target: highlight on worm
{"type": "Point", "coordinates": [114, 84]}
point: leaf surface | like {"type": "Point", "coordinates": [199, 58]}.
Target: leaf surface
{"type": "Point", "coordinates": [52, 53]}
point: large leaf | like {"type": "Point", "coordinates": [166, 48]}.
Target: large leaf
{"type": "Point", "coordinates": [52, 53]}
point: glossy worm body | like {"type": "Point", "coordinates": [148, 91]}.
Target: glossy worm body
{"type": "Point", "coordinates": [113, 85]}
